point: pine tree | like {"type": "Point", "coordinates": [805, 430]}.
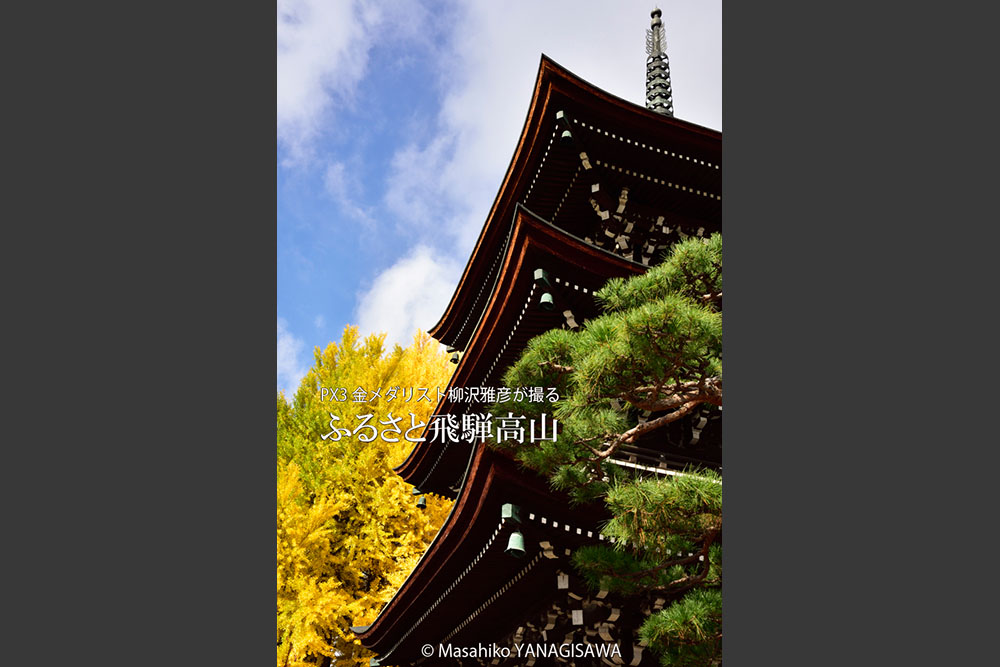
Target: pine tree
{"type": "Point", "coordinates": [349, 531]}
{"type": "Point", "coordinates": [657, 348]}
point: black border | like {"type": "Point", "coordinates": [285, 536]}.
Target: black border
{"type": "Point", "coordinates": [845, 167]}
{"type": "Point", "coordinates": [146, 147]}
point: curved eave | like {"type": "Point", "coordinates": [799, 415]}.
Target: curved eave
{"type": "Point", "coordinates": [463, 514]}
{"type": "Point", "coordinates": [555, 81]}
{"type": "Point", "coordinates": [492, 480]}
{"type": "Point", "coordinates": [534, 242]}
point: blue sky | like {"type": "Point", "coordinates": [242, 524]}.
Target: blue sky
{"type": "Point", "coordinates": [396, 122]}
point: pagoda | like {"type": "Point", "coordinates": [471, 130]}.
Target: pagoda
{"type": "Point", "coordinates": [597, 188]}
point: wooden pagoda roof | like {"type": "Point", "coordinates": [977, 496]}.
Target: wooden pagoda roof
{"type": "Point", "coordinates": [512, 317]}
{"type": "Point", "coordinates": [662, 172]}
{"type": "Point", "coordinates": [466, 589]}
{"type": "Point", "coordinates": [597, 188]}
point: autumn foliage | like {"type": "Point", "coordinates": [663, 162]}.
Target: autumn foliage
{"type": "Point", "coordinates": [349, 531]}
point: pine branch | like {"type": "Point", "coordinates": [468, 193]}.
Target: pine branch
{"type": "Point", "coordinates": [706, 390]}
{"type": "Point", "coordinates": [670, 563]}
{"type": "Point", "coordinates": [688, 582]}
{"type": "Point", "coordinates": [557, 367]}
{"type": "Point", "coordinates": [677, 585]}
{"type": "Point", "coordinates": [630, 435]}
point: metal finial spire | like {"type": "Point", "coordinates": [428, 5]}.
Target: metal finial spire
{"type": "Point", "coordinates": [659, 97]}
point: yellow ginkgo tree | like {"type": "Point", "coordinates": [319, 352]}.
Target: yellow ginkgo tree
{"type": "Point", "coordinates": [349, 530]}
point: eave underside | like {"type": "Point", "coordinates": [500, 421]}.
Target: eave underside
{"type": "Point", "coordinates": [468, 590]}
{"type": "Point", "coordinates": [466, 586]}
{"type": "Point", "coordinates": [663, 174]}
{"type": "Point", "coordinates": [513, 317]}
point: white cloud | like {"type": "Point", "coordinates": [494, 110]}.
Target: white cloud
{"type": "Point", "coordinates": [492, 58]}
{"type": "Point", "coordinates": [416, 189]}
{"type": "Point", "coordinates": [290, 369]}
{"type": "Point", "coordinates": [320, 321]}
{"type": "Point", "coordinates": [323, 52]}
{"type": "Point", "coordinates": [345, 188]}
{"type": "Point", "coordinates": [409, 295]}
